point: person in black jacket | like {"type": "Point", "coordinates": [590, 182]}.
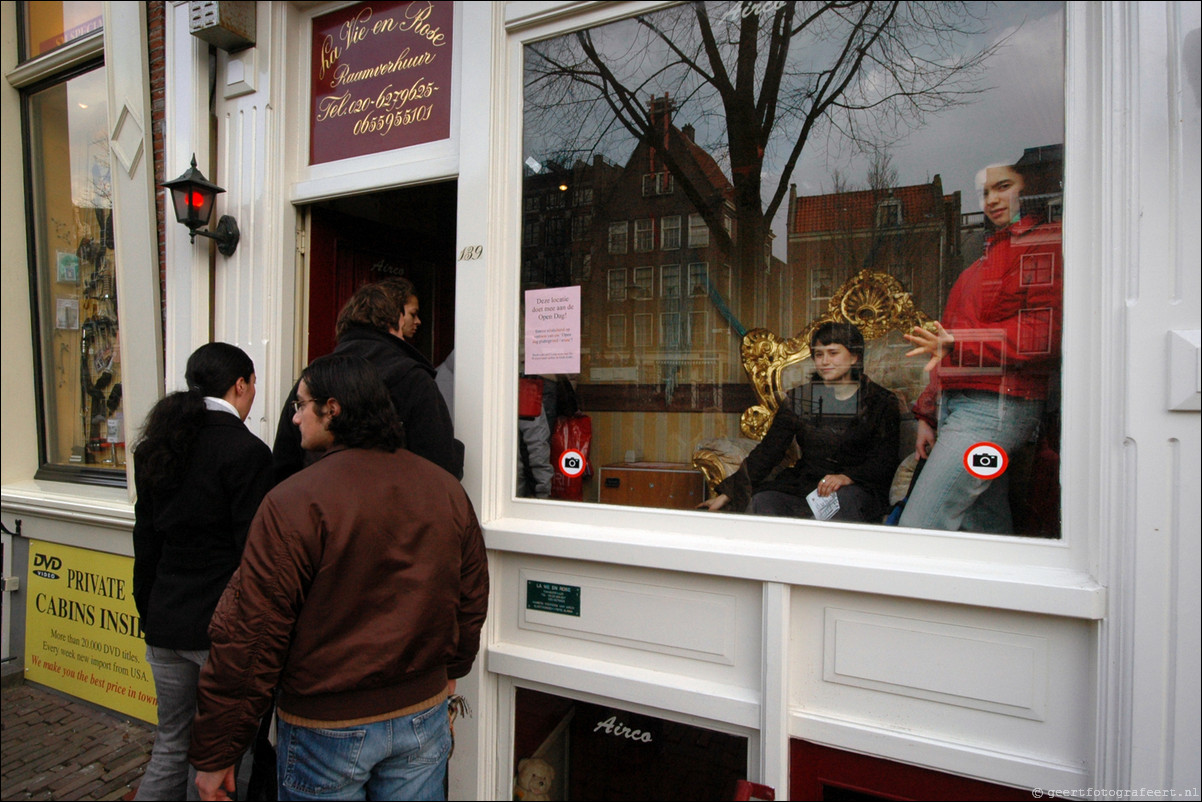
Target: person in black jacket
{"type": "Point", "coordinates": [200, 475]}
{"type": "Point", "coordinates": [847, 428]}
{"type": "Point", "coordinates": [371, 325]}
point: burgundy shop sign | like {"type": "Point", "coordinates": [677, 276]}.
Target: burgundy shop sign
{"type": "Point", "coordinates": [381, 78]}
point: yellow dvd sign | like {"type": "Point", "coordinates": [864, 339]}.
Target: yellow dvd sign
{"type": "Point", "coordinates": [83, 635]}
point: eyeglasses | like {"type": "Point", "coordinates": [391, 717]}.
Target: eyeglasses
{"type": "Point", "coordinates": [298, 405]}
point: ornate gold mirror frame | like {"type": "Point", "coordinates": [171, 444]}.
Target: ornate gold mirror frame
{"type": "Point", "coordinates": [875, 302]}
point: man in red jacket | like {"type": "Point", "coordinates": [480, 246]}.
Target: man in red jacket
{"type": "Point", "coordinates": [361, 594]}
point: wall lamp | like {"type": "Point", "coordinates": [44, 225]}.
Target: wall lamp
{"type": "Point", "coordinates": [193, 196]}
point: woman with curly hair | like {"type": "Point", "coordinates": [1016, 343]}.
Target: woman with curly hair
{"type": "Point", "coordinates": [200, 475]}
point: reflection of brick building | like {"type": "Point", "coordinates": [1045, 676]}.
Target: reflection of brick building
{"type": "Point", "coordinates": [557, 220]}
{"type": "Point", "coordinates": [911, 233]}
{"type": "Point", "coordinates": [661, 299]}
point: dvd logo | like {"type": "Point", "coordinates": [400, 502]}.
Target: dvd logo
{"type": "Point", "coordinates": [45, 566]}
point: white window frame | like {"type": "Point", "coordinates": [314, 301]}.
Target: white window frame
{"type": "Point", "coordinates": [581, 226]}
{"type": "Point", "coordinates": [660, 183]}
{"type": "Point", "coordinates": [642, 283]}
{"type": "Point", "coordinates": [123, 45]}
{"type": "Point", "coordinates": [889, 213]}
{"type": "Point", "coordinates": [699, 231]}
{"type": "Point", "coordinates": [618, 235]}
{"type": "Point", "coordinates": [698, 288]}
{"type": "Point", "coordinates": [616, 288]}
{"type": "Point", "coordinates": [644, 329]}
{"type": "Point", "coordinates": [670, 324]}
{"type": "Point", "coordinates": [669, 233]}
{"type": "Point", "coordinates": [818, 303]}
{"type": "Point", "coordinates": [644, 235]}
{"type": "Point", "coordinates": [1057, 574]}
{"type": "Point", "coordinates": [670, 281]}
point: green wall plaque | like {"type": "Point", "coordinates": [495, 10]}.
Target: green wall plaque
{"type": "Point", "coordinates": [550, 597]}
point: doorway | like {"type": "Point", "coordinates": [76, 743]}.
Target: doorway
{"type": "Point", "coordinates": [358, 239]}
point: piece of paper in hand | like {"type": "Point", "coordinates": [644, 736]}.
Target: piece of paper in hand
{"type": "Point", "coordinates": [824, 507]}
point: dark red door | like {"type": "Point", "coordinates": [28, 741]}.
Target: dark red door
{"type": "Point", "coordinates": [832, 775]}
{"type": "Point", "coordinates": [408, 233]}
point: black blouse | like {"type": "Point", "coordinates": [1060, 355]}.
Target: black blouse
{"type": "Point", "coordinates": [858, 437]}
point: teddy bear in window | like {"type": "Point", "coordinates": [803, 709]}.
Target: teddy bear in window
{"type": "Point", "coordinates": [534, 779]}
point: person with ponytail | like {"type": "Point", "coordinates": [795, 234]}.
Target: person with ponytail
{"type": "Point", "coordinates": [200, 475]}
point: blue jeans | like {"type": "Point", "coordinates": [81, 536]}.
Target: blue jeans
{"type": "Point", "coordinates": [401, 758]}
{"type": "Point", "coordinates": [948, 497]}
{"type": "Point", "coordinates": [176, 673]}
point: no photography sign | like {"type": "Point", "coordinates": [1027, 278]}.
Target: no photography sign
{"type": "Point", "coordinates": [572, 463]}
{"type": "Point", "coordinates": [986, 460]}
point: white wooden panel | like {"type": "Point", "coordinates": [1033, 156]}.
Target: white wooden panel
{"type": "Point", "coordinates": [1007, 697]}
{"type": "Point", "coordinates": [684, 628]}
{"type": "Point", "coordinates": [659, 618]}
{"type": "Point", "coordinates": [1153, 633]}
{"type": "Point", "coordinates": [129, 108]}
{"type": "Point", "coordinates": [627, 686]}
{"type": "Point", "coordinates": [951, 757]}
{"type": "Point", "coordinates": [986, 669]}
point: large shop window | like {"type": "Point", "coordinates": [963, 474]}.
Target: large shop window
{"type": "Point", "coordinates": [72, 258]}
{"type": "Point", "coordinates": [50, 25]}
{"type": "Point", "coordinates": [836, 231]}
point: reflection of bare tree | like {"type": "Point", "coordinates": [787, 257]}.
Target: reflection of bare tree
{"type": "Point", "coordinates": [765, 78]}
{"type": "Point", "coordinates": [854, 252]}
{"type": "Point", "coordinates": [908, 232]}
{"type": "Point", "coordinates": [882, 175]}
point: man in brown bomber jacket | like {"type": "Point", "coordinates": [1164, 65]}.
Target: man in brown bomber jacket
{"type": "Point", "coordinates": [361, 594]}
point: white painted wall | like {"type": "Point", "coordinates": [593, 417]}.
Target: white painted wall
{"type": "Point", "coordinates": [1151, 656]}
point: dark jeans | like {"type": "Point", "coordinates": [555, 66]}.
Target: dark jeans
{"type": "Point", "coordinates": [855, 504]}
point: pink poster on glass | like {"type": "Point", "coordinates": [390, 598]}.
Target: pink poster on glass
{"type": "Point", "coordinates": [552, 331]}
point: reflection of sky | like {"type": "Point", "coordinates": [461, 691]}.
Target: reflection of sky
{"type": "Point", "coordinates": [87, 116]}
{"type": "Point", "coordinates": [1022, 107]}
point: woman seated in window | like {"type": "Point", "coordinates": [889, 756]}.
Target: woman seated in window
{"type": "Point", "coordinates": [847, 429]}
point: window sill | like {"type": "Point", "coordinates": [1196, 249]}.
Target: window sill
{"type": "Point", "coordinates": [1022, 587]}
{"type": "Point", "coordinates": [89, 505]}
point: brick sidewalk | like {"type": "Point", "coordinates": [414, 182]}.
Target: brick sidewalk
{"type": "Point", "coordinates": [55, 747]}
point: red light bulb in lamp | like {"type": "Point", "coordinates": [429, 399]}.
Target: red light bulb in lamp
{"type": "Point", "coordinates": [193, 197]}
